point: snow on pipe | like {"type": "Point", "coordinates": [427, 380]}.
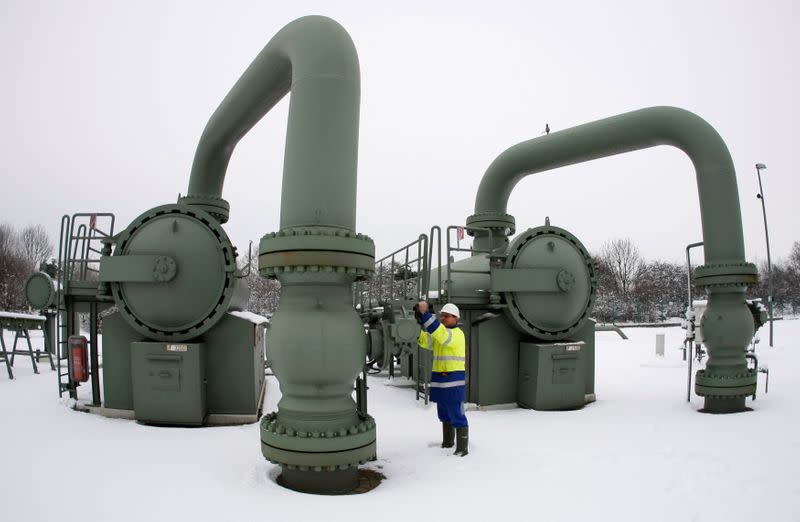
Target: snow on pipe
{"type": "Point", "coordinates": [725, 381]}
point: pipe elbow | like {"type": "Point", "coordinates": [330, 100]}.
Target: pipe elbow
{"type": "Point", "coordinates": [636, 130]}
{"type": "Point", "coordinates": [315, 59]}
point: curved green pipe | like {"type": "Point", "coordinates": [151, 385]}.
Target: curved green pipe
{"type": "Point", "coordinates": [315, 59]}
{"type": "Point", "coordinates": [716, 176]}
{"type": "Point", "coordinates": [728, 324]}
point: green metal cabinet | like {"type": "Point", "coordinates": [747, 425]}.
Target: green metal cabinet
{"type": "Point", "coordinates": [235, 358]}
{"type": "Point", "coordinates": [551, 376]}
{"type": "Point", "coordinates": [169, 382]}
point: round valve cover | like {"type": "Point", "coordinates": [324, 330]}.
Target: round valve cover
{"type": "Point", "coordinates": [558, 312]}
{"type": "Point", "coordinates": [40, 291]}
{"type": "Point", "coordinates": [204, 286]}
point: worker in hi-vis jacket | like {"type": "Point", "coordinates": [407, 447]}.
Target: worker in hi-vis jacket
{"type": "Point", "coordinates": [448, 378]}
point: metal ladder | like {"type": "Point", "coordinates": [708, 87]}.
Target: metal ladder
{"type": "Point", "coordinates": [79, 251]}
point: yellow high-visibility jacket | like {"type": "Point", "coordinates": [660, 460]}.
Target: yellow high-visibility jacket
{"type": "Point", "coordinates": [448, 345]}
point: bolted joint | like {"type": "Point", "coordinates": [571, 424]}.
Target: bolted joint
{"type": "Point", "coordinates": [722, 386]}
{"type": "Point", "coordinates": [219, 208]}
{"type": "Point", "coordinates": [316, 249]}
{"type": "Point", "coordinates": [726, 274]}
{"type": "Point", "coordinates": [331, 449]}
{"type": "Point", "coordinates": [500, 224]}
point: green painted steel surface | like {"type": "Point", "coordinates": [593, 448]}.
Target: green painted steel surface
{"type": "Point", "coordinates": [317, 348]}
{"type": "Point", "coordinates": [40, 291]}
{"type": "Point", "coordinates": [554, 314]}
{"type": "Point", "coordinates": [314, 58]}
{"type": "Point", "coordinates": [138, 269]}
{"type": "Point", "coordinates": [13, 321]}
{"type": "Point", "coordinates": [169, 382]}
{"type": "Point", "coordinates": [235, 366]}
{"type": "Point", "coordinates": [317, 342]}
{"type": "Point", "coordinates": [546, 279]}
{"type": "Point", "coordinates": [726, 273]}
{"type": "Point", "coordinates": [117, 380]}
{"type": "Point", "coordinates": [233, 358]}
{"type": "Point", "coordinates": [586, 335]}
{"type": "Point", "coordinates": [173, 273]}
{"type": "Point", "coordinates": [493, 361]}
{"type": "Point", "coordinates": [551, 376]}
{"type": "Point", "coordinates": [716, 176]}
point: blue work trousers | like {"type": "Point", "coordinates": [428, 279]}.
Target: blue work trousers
{"type": "Point", "coordinates": [452, 412]}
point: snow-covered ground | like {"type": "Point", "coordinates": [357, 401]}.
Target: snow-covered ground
{"type": "Point", "coordinates": [641, 452]}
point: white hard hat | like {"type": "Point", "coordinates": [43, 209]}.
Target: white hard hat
{"type": "Point", "coordinates": [451, 309]}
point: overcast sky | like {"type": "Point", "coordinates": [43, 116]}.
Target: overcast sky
{"type": "Point", "coordinates": [103, 103]}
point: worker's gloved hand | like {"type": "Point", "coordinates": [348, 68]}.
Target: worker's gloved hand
{"type": "Point", "coordinates": [417, 314]}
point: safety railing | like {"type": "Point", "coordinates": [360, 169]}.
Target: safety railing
{"type": "Point", "coordinates": [402, 274]}
{"type": "Point", "coordinates": [79, 251]}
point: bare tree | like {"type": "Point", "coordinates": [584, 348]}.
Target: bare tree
{"type": "Point", "coordinates": [794, 257]}
{"type": "Point", "coordinates": [8, 241]}
{"type": "Point", "coordinates": [12, 270]}
{"type": "Point", "coordinates": [624, 264]}
{"type": "Point", "coordinates": [264, 293]}
{"type": "Point", "coordinates": [35, 245]}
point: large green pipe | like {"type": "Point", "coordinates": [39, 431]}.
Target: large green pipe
{"type": "Point", "coordinates": [726, 380]}
{"type": "Point", "coordinates": [316, 339]}
{"type": "Point", "coordinates": [315, 59]}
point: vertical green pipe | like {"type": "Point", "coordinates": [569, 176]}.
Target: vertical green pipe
{"type": "Point", "coordinates": [726, 381]}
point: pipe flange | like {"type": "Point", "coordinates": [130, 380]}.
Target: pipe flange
{"type": "Point", "coordinates": [724, 393]}
{"type": "Point", "coordinates": [726, 274]}
{"type": "Point", "coordinates": [219, 208]}
{"type": "Point", "coordinates": [492, 220]}
{"type": "Point", "coordinates": [316, 249]}
{"type": "Point", "coordinates": [317, 450]}
{"type": "Point", "coordinates": [740, 384]}
{"type": "Point", "coordinates": [704, 378]}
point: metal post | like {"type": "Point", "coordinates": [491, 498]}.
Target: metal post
{"type": "Point", "coordinates": [94, 362]}
{"type": "Point", "coordinates": [687, 351]}
{"type": "Point", "coordinates": [759, 168]}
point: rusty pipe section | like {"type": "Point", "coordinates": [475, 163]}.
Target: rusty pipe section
{"type": "Point", "coordinates": [315, 59]}
{"type": "Point", "coordinates": [726, 380]}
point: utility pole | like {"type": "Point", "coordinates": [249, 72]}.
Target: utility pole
{"type": "Point", "coordinates": [759, 168]}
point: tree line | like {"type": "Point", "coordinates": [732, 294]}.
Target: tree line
{"type": "Point", "coordinates": [21, 252]}
{"type": "Point", "coordinates": [633, 289]}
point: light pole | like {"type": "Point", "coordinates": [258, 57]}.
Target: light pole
{"type": "Point", "coordinates": [760, 195]}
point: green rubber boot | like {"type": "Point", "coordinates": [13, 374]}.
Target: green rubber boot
{"type": "Point", "coordinates": [462, 441]}
{"type": "Point", "coordinates": [448, 435]}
